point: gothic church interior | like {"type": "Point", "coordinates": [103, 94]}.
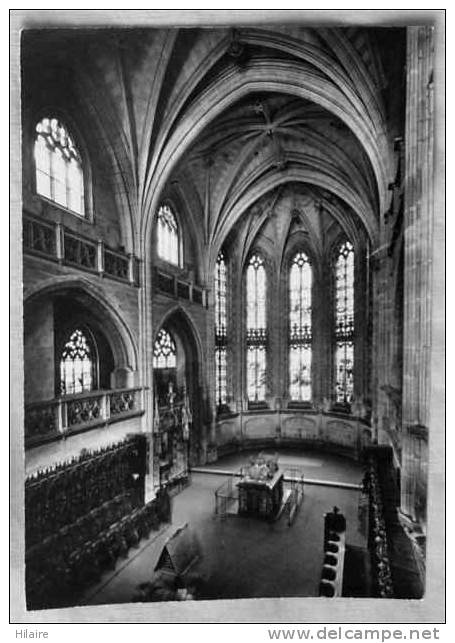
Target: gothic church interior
{"type": "Point", "coordinates": [228, 307]}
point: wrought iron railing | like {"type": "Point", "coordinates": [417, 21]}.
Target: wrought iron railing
{"type": "Point", "coordinates": [53, 241]}
{"type": "Point", "coordinates": [73, 413]}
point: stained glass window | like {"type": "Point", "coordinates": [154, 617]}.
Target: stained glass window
{"type": "Point", "coordinates": [168, 236]}
{"type": "Point", "coordinates": [300, 332]}
{"type": "Point", "coordinates": [164, 353]}
{"type": "Point", "coordinates": [58, 166]}
{"type": "Point", "coordinates": [76, 365]}
{"type": "Point", "coordinates": [344, 323]}
{"type": "Point", "coordinates": [256, 337]}
{"type": "Point", "coordinates": [220, 330]}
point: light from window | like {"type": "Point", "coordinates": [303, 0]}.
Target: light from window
{"type": "Point", "coordinates": [220, 331]}
{"type": "Point", "coordinates": [76, 365]}
{"type": "Point", "coordinates": [58, 166]}
{"type": "Point", "coordinates": [168, 235]}
{"type": "Point", "coordinates": [256, 337]}
{"type": "Point", "coordinates": [344, 323]}
{"type": "Point", "coordinates": [221, 375]}
{"type": "Point", "coordinates": [164, 353]}
{"type": "Point", "coordinates": [300, 334]}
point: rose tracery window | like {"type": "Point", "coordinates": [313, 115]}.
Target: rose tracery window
{"type": "Point", "coordinates": [164, 353]}
{"type": "Point", "coordinates": [168, 236]}
{"type": "Point", "coordinates": [220, 331]}
{"type": "Point", "coordinates": [256, 329]}
{"type": "Point", "coordinates": [58, 165]}
{"type": "Point", "coordinates": [77, 365]}
{"type": "Point", "coordinates": [300, 331]}
{"type": "Point", "coordinates": [344, 323]}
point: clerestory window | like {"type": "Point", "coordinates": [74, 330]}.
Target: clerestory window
{"type": "Point", "coordinates": [58, 165]}
{"type": "Point", "coordinates": [300, 330]}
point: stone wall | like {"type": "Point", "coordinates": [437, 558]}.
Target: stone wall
{"type": "Point", "coordinates": [39, 372]}
{"type": "Point", "coordinates": [295, 429]}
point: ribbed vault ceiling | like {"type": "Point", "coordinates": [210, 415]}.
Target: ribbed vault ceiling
{"type": "Point", "coordinates": [228, 116]}
{"type": "Point", "coordinates": [277, 146]}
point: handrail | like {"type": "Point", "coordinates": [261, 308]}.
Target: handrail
{"type": "Point", "coordinates": [76, 396]}
{"type": "Point", "coordinates": [73, 413]}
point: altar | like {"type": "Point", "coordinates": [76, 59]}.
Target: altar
{"type": "Point", "coordinates": [261, 488]}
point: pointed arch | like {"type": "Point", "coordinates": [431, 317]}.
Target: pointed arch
{"type": "Point", "coordinates": [182, 322]}
{"type": "Point", "coordinates": [121, 340]}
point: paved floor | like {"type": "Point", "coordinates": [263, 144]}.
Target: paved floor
{"type": "Point", "coordinates": [245, 557]}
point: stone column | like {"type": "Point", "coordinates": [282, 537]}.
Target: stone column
{"type": "Point", "coordinates": [275, 342]}
{"type": "Point", "coordinates": [323, 324]}
{"type": "Point", "coordinates": [380, 283]}
{"type": "Point", "coordinates": [211, 374]}
{"type": "Point", "coordinates": [236, 339]}
{"type": "Point", "coordinates": [418, 229]}
{"type": "Point", "coordinates": [361, 384]}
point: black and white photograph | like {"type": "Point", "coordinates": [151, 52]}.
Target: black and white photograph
{"type": "Point", "coordinates": [227, 278]}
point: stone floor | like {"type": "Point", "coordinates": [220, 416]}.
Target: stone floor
{"type": "Point", "coordinates": [246, 557]}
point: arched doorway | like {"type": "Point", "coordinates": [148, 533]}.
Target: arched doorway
{"type": "Point", "coordinates": [177, 391]}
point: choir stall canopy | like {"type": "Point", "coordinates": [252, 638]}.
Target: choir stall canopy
{"type": "Point", "coordinates": [180, 553]}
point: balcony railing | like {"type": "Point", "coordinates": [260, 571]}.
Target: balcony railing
{"type": "Point", "coordinates": [179, 288]}
{"type": "Point", "coordinates": [53, 241]}
{"type": "Point", "coordinates": [58, 418]}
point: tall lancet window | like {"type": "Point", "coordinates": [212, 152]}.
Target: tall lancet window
{"type": "Point", "coordinates": [220, 331]}
{"type": "Point", "coordinates": [168, 241]}
{"type": "Point", "coordinates": [300, 281]}
{"type": "Point", "coordinates": [58, 166]}
{"type": "Point", "coordinates": [256, 325]}
{"type": "Point", "coordinates": [344, 323]}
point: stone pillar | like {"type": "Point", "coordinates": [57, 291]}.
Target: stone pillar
{"type": "Point", "coordinates": [209, 367]}
{"type": "Point", "coordinates": [235, 330]}
{"type": "Point", "coordinates": [361, 383]}
{"type": "Point", "coordinates": [418, 229]}
{"type": "Point", "coordinates": [380, 283]}
{"type": "Point", "coordinates": [39, 359]}
{"type": "Point", "coordinates": [323, 334]}
{"type": "Point", "coordinates": [275, 342]}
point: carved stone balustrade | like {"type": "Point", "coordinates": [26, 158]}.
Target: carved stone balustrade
{"type": "Point", "coordinates": [54, 242]}
{"type": "Point", "coordinates": [80, 252]}
{"type": "Point", "coordinates": [58, 418]}
{"type": "Point", "coordinates": [39, 237]}
{"type": "Point", "coordinates": [82, 411]}
{"type": "Point", "coordinates": [116, 264]}
{"type": "Point", "coordinates": [41, 419]}
{"type": "Point", "coordinates": [172, 286]}
{"type": "Point", "coordinates": [123, 401]}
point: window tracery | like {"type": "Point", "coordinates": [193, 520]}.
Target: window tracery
{"type": "Point", "coordinates": [164, 352]}
{"type": "Point", "coordinates": [220, 331]}
{"type": "Point", "coordinates": [168, 235]}
{"type": "Point", "coordinates": [58, 165]}
{"type": "Point", "coordinates": [300, 330]}
{"type": "Point", "coordinates": [76, 365]}
{"type": "Point", "coordinates": [256, 336]}
{"type": "Point", "coordinates": [344, 323]}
